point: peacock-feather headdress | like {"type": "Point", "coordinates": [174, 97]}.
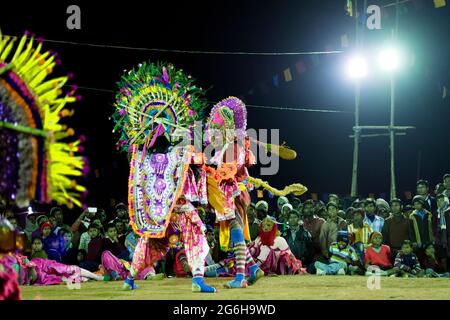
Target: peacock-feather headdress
{"type": "Point", "coordinates": [228, 116]}
{"type": "Point", "coordinates": [39, 159]}
{"type": "Point", "coordinates": [155, 100]}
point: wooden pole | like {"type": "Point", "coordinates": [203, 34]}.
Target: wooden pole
{"type": "Point", "coordinates": [354, 187]}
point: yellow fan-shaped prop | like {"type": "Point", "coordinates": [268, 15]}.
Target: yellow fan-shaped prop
{"type": "Point", "coordinates": [283, 151]}
{"type": "Point", "coordinates": [297, 188]}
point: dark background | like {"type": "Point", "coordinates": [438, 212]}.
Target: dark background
{"type": "Point", "coordinates": [321, 139]}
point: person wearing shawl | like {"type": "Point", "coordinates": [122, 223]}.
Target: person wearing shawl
{"type": "Point", "coordinates": [271, 251]}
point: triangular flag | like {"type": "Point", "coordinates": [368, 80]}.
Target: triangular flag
{"type": "Point", "coordinates": [349, 8]}
{"type": "Point", "coordinates": [439, 3]}
{"type": "Point", "coordinates": [344, 41]}
{"type": "Point", "coordinates": [275, 80]}
{"type": "Point", "coordinates": [314, 196]}
{"type": "Point", "coordinates": [259, 193]}
{"type": "Point", "coordinates": [300, 66]}
{"type": "Point", "coordinates": [444, 92]}
{"type": "Point", "coordinates": [287, 75]}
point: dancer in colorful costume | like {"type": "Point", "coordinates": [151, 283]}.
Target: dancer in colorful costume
{"type": "Point", "coordinates": [230, 157]}
{"type": "Point", "coordinates": [39, 163]}
{"type": "Point", "coordinates": [156, 108]}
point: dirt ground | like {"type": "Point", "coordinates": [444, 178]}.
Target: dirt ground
{"type": "Point", "coordinates": [305, 287]}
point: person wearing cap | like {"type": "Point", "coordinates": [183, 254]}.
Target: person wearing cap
{"type": "Point", "coordinates": [446, 182]}
{"type": "Point", "coordinates": [271, 251]}
{"type": "Point", "coordinates": [342, 257]}
{"type": "Point", "coordinates": [296, 203]}
{"type": "Point", "coordinates": [262, 208]}
{"type": "Point", "coordinates": [383, 208]}
{"type": "Point", "coordinates": [374, 221]}
{"type": "Point", "coordinates": [396, 228]}
{"type": "Point", "coordinates": [39, 221]}
{"type": "Point", "coordinates": [334, 198]}
{"type": "Point", "coordinates": [299, 239]}
{"type": "Point", "coordinates": [329, 230]}
{"type": "Point", "coordinates": [359, 232]}
{"type": "Point", "coordinates": [284, 216]}
{"type": "Point", "coordinates": [421, 224]}
{"type": "Point", "coordinates": [281, 201]}
{"type": "Point", "coordinates": [30, 223]}
{"type": "Point", "coordinates": [378, 257]}
{"type": "Point", "coordinates": [423, 190]}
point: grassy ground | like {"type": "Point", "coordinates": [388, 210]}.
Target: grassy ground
{"type": "Point", "coordinates": [282, 287]}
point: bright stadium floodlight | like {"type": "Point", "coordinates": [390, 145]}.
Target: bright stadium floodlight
{"type": "Point", "coordinates": [389, 59]}
{"type": "Point", "coordinates": [357, 67]}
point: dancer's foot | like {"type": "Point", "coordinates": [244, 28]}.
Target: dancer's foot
{"type": "Point", "coordinates": [255, 274]}
{"type": "Point", "coordinates": [129, 284]}
{"type": "Point", "coordinates": [115, 276]}
{"type": "Point", "coordinates": [236, 284]}
{"type": "Point", "coordinates": [199, 285]}
{"type": "Point", "coordinates": [158, 276]}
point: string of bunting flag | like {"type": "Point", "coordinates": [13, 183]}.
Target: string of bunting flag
{"type": "Point", "coordinates": [301, 66]}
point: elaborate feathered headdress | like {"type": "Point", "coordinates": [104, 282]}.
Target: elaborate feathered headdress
{"type": "Point", "coordinates": [155, 100]}
{"type": "Point", "coordinates": [37, 161]}
{"type": "Point", "coordinates": [230, 117]}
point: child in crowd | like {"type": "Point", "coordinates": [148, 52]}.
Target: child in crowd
{"type": "Point", "coordinates": [407, 263]}
{"type": "Point", "coordinates": [343, 258]}
{"type": "Point", "coordinates": [81, 256]}
{"type": "Point", "coordinates": [421, 222]}
{"type": "Point", "coordinates": [68, 252]}
{"type": "Point", "coordinates": [359, 232]}
{"type": "Point", "coordinates": [39, 221]}
{"type": "Point", "coordinates": [94, 250]}
{"type": "Point", "coordinates": [51, 242]}
{"type": "Point", "coordinates": [433, 269]}
{"type": "Point", "coordinates": [111, 243]}
{"type": "Point", "coordinates": [378, 257]}
{"type": "Point", "coordinates": [37, 248]}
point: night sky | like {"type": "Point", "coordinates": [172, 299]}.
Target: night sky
{"type": "Point", "coordinates": [321, 139]}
